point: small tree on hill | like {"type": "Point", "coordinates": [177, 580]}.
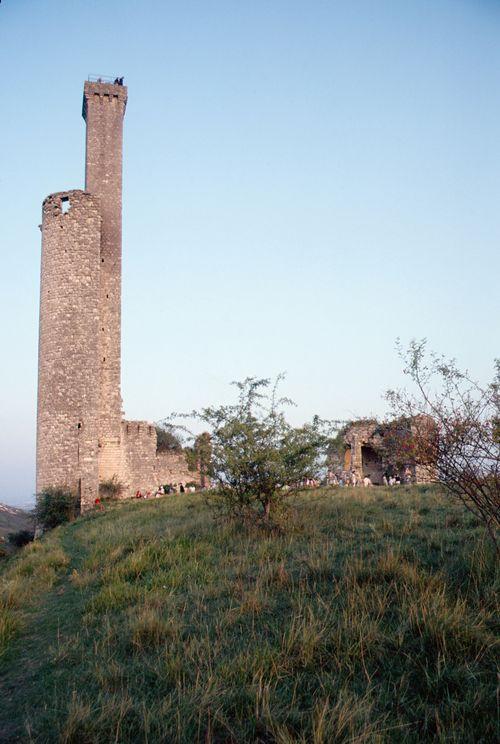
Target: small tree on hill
{"type": "Point", "coordinates": [256, 457]}
{"type": "Point", "coordinates": [55, 506]}
{"type": "Point", "coordinates": [167, 440]}
{"type": "Point", "coordinates": [336, 450]}
{"type": "Point", "coordinates": [199, 456]}
{"type": "Point", "coordinates": [408, 442]}
{"type": "Point", "coordinates": [455, 430]}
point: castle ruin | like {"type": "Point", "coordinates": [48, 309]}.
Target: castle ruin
{"type": "Point", "coordinates": [82, 439]}
{"type": "Point", "coordinates": [366, 452]}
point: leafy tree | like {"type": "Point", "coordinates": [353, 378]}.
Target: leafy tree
{"type": "Point", "coordinates": [406, 442]}
{"type": "Point", "coordinates": [256, 457]}
{"type": "Point", "coordinates": [203, 451]}
{"type": "Point", "coordinates": [336, 449]}
{"type": "Point", "coordinates": [198, 456]}
{"type": "Point", "coordinates": [55, 506]}
{"type": "Point", "coordinates": [454, 429]}
{"type": "Point", "coordinates": [167, 440]}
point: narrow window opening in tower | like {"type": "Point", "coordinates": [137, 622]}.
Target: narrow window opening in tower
{"type": "Point", "coordinates": [79, 426]}
{"type": "Point", "coordinates": [65, 204]}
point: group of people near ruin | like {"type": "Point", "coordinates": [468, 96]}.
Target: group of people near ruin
{"type": "Point", "coordinates": [348, 478]}
{"type": "Point", "coordinates": [310, 483]}
{"type": "Point", "coordinates": [394, 479]}
{"type": "Point", "coordinates": [163, 490]}
{"type": "Point", "coordinates": [351, 478]}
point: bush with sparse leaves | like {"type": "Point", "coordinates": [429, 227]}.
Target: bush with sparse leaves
{"type": "Point", "coordinates": [256, 457]}
{"type": "Point", "coordinates": [55, 506]}
{"type": "Point", "coordinates": [455, 429]}
{"type": "Point", "coordinates": [110, 489]}
{"type": "Point", "coordinates": [166, 440]}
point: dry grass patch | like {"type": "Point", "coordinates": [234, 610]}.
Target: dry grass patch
{"type": "Point", "coordinates": [373, 621]}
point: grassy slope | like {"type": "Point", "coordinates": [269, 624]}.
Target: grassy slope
{"type": "Point", "coordinates": [372, 621]}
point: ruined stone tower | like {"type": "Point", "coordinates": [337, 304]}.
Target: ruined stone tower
{"type": "Point", "coordinates": [103, 111]}
{"type": "Point", "coordinates": [81, 437]}
{"type": "Point", "coordinates": [69, 344]}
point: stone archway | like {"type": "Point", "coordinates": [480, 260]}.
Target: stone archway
{"type": "Point", "coordinates": [372, 464]}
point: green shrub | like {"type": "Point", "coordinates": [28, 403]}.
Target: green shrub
{"type": "Point", "coordinates": [20, 538]}
{"type": "Point", "coordinates": [167, 440]}
{"type": "Point", "coordinates": [55, 506]}
{"type": "Point", "coordinates": [255, 456]}
{"type": "Point", "coordinates": [110, 489]}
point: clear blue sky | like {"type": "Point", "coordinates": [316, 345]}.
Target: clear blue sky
{"type": "Point", "coordinates": [303, 183]}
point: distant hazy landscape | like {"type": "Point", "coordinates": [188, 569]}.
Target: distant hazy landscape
{"type": "Point", "coordinates": [13, 519]}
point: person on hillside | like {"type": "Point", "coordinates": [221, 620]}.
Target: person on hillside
{"type": "Point", "coordinates": [367, 481]}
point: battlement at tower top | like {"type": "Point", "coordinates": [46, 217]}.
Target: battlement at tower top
{"type": "Point", "coordinates": [103, 91]}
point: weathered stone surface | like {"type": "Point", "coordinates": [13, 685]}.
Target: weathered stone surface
{"type": "Point", "coordinates": [364, 454]}
{"type": "Point", "coordinates": [81, 438]}
{"type": "Point", "coordinates": [69, 349]}
{"type": "Point", "coordinates": [103, 110]}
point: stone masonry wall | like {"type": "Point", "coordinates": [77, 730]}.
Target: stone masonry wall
{"type": "Point", "coordinates": [68, 398]}
{"type": "Point", "coordinates": [363, 442]}
{"type": "Point", "coordinates": [172, 467]}
{"type": "Point", "coordinates": [143, 468]}
{"type": "Point", "coordinates": [103, 110]}
{"type": "Point", "coordinates": [138, 455]}
{"type": "Point", "coordinates": [358, 435]}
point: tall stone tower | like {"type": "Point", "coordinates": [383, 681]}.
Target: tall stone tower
{"type": "Point", "coordinates": [79, 401]}
{"type": "Point", "coordinates": [69, 356]}
{"type": "Point", "coordinates": [103, 110]}
{"type": "Point", "coordinates": [81, 437]}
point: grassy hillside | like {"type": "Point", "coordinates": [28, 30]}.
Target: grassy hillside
{"type": "Point", "coordinates": [373, 621]}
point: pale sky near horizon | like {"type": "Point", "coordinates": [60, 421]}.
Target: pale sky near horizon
{"type": "Point", "coordinates": [304, 182]}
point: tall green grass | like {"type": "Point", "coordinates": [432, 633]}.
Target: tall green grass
{"type": "Point", "coordinates": [372, 619]}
